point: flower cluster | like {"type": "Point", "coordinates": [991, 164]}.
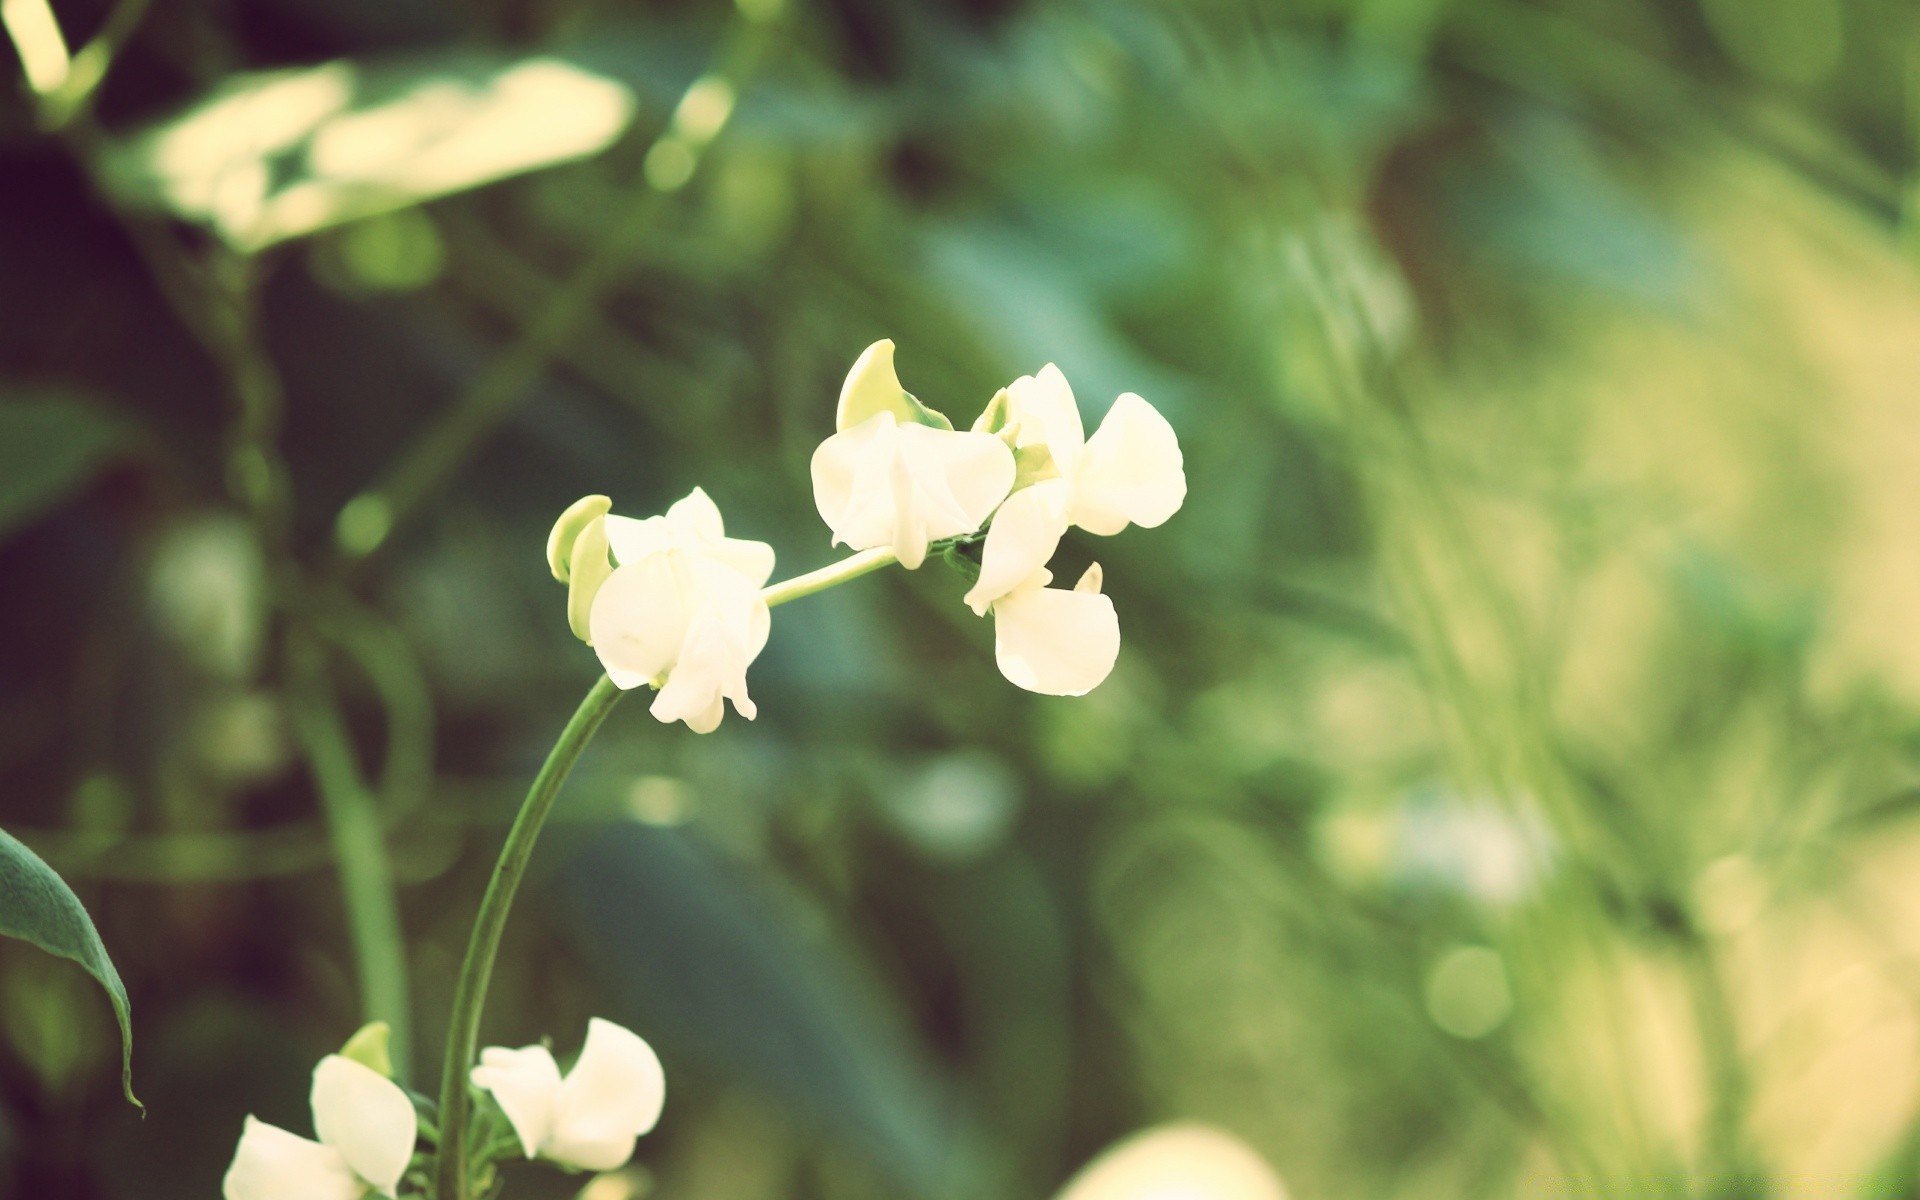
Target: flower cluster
{"type": "Point", "coordinates": [367, 1126]}
{"type": "Point", "coordinates": [672, 602]}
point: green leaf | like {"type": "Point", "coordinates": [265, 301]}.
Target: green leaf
{"type": "Point", "coordinates": [282, 154]}
{"type": "Point", "coordinates": [48, 447]}
{"type": "Point", "coordinates": [37, 905]}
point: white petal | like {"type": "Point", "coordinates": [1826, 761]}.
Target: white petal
{"type": "Point", "coordinates": [1042, 406]}
{"type": "Point", "coordinates": [1054, 641]}
{"type": "Point", "coordinates": [272, 1164]}
{"type": "Point", "coordinates": [852, 472]}
{"type": "Point", "coordinates": [726, 630]}
{"type": "Point", "coordinates": [961, 477]}
{"type": "Point", "coordinates": [1024, 535]}
{"type": "Point", "coordinates": [697, 516]}
{"type": "Point", "coordinates": [367, 1118]}
{"type": "Point", "coordinates": [633, 540]}
{"type": "Point", "coordinates": [639, 618]}
{"type": "Point", "coordinates": [612, 1096]}
{"type": "Point", "coordinates": [751, 560]}
{"type": "Point", "coordinates": [526, 1083]}
{"type": "Point", "coordinates": [1131, 471]}
{"type": "Point", "coordinates": [712, 666]}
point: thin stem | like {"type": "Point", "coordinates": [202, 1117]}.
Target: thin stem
{"type": "Point", "coordinates": [851, 567]}
{"type": "Point", "coordinates": [359, 853]}
{"type": "Point", "coordinates": [476, 969]}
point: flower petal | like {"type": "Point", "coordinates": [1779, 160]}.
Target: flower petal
{"type": "Point", "coordinates": [578, 516]}
{"type": "Point", "coordinates": [872, 386]}
{"type": "Point", "coordinates": [639, 618]}
{"type": "Point", "coordinates": [710, 669]}
{"type": "Point", "coordinates": [633, 540]}
{"type": "Point", "coordinates": [852, 482]}
{"type": "Point", "coordinates": [961, 477]}
{"type": "Point", "coordinates": [1042, 406]}
{"type": "Point", "coordinates": [1024, 535]}
{"type": "Point", "coordinates": [1054, 641]}
{"type": "Point", "coordinates": [612, 1096]}
{"type": "Point", "coordinates": [588, 568]}
{"type": "Point", "coordinates": [727, 628]}
{"type": "Point", "coordinates": [696, 517]}
{"type": "Point", "coordinates": [526, 1084]}
{"type": "Point", "coordinates": [272, 1164]}
{"type": "Point", "coordinates": [367, 1118]}
{"type": "Point", "coordinates": [1132, 470]}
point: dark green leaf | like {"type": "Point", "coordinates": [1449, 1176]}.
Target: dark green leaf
{"type": "Point", "coordinates": [38, 906]}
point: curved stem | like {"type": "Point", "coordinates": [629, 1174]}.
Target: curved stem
{"type": "Point", "coordinates": [851, 567]}
{"type": "Point", "coordinates": [476, 969]}
{"type": "Point", "coordinates": [470, 992]}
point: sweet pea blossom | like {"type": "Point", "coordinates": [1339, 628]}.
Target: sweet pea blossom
{"type": "Point", "coordinates": [1129, 472]}
{"type": "Point", "coordinates": [589, 1119]}
{"type": "Point", "coordinates": [669, 601]}
{"type": "Point", "coordinates": [367, 1129]}
{"type": "Point", "coordinates": [1055, 641]}
{"type": "Point", "coordinates": [896, 473]}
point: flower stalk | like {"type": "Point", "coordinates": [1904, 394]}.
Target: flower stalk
{"type": "Point", "coordinates": [476, 969]}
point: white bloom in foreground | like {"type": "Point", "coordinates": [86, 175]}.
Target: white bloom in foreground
{"type": "Point", "coordinates": [1186, 1161]}
{"type": "Point", "coordinates": [896, 474]}
{"type": "Point", "coordinates": [1129, 472]}
{"type": "Point", "coordinates": [367, 1129]}
{"type": "Point", "coordinates": [590, 1119]}
{"type": "Point", "coordinates": [1054, 641]}
{"type": "Point", "coordinates": [682, 611]}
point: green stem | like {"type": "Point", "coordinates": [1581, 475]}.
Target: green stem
{"type": "Point", "coordinates": [359, 853]}
{"type": "Point", "coordinates": [851, 567]}
{"type": "Point", "coordinates": [476, 970]}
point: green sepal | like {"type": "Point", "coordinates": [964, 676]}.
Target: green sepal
{"type": "Point", "coordinates": [961, 557]}
{"type": "Point", "coordinates": [1031, 465]}
{"type": "Point", "coordinates": [993, 418]}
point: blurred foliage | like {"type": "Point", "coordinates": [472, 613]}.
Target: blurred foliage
{"type": "Point", "coordinates": [1510, 785]}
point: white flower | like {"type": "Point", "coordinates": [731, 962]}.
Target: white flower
{"type": "Point", "coordinates": [1054, 641]}
{"type": "Point", "coordinates": [896, 474]}
{"type": "Point", "coordinates": [1129, 472]}
{"type": "Point", "coordinates": [1183, 1161]}
{"type": "Point", "coordinates": [367, 1129]}
{"type": "Point", "coordinates": [588, 1120]}
{"type": "Point", "coordinates": [682, 610]}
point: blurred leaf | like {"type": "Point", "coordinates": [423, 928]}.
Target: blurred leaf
{"type": "Point", "coordinates": [281, 154]}
{"type": "Point", "coordinates": [48, 446]}
{"type": "Point", "coordinates": [708, 965]}
{"type": "Point", "coordinates": [38, 906]}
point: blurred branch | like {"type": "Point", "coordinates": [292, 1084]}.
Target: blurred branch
{"type": "Point", "coordinates": [366, 522]}
{"type": "Point", "coordinates": [359, 851]}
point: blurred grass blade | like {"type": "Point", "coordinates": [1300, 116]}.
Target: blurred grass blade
{"type": "Point", "coordinates": [48, 446]}
{"type": "Point", "coordinates": [282, 154]}
{"type": "Point", "coordinates": [36, 905]}
{"type": "Point", "coordinates": [720, 972]}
